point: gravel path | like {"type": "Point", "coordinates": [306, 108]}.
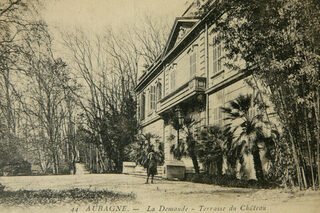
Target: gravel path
{"type": "Point", "coordinates": [167, 196]}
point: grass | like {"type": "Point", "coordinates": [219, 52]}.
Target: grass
{"type": "Point", "coordinates": [53, 197]}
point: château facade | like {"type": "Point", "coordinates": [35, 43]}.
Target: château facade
{"type": "Point", "coordinates": [189, 73]}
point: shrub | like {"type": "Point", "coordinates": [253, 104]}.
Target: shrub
{"type": "Point", "coordinates": [1, 187]}
{"type": "Point", "coordinates": [230, 181]}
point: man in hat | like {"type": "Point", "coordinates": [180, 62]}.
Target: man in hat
{"type": "Point", "coordinates": [152, 165]}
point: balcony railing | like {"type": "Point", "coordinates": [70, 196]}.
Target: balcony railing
{"type": "Point", "coordinates": [194, 86]}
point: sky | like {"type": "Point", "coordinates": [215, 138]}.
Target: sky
{"type": "Point", "coordinates": [95, 15]}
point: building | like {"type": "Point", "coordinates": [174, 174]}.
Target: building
{"type": "Point", "coordinates": [189, 75]}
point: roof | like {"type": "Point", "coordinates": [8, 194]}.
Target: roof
{"type": "Point", "coordinates": [174, 45]}
{"type": "Point", "coordinates": [185, 23]}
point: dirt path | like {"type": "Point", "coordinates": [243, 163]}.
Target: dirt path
{"type": "Point", "coordinates": [169, 196]}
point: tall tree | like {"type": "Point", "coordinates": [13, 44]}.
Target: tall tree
{"type": "Point", "coordinates": [45, 86]}
{"type": "Point", "coordinates": [279, 44]}
{"type": "Point", "coordinates": [108, 66]}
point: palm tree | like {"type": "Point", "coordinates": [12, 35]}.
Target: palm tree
{"type": "Point", "coordinates": [187, 147]}
{"type": "Point", "coordinates": [247, 127]}
{"type": "Point", "coordinates": [144, 145]}
{"type": "Point", "coordinates": [211, 150]}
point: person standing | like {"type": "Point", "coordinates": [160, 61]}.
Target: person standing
{"type": "Point", "coordinates": [152, 165]}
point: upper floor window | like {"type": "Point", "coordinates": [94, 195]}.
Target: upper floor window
{"type": "Point", "coordinates": [152, 98]}
{"type": "Point", "coordinates": [218, 54]}
{"type": "Point", "coordinates": [159, 91]}
{"type": "Point", "coordinates": [172, 80]}
{"type": "Point", "coordinates": [193, 63]}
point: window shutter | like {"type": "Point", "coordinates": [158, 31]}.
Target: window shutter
{"type": "Point", "coordinates": [193, 63]}
{"type": "Point", "coordinates": [218, 54]}
{"type": "Point", "coordinates": [172, 80]}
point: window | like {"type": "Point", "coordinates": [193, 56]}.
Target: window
{"type": "Point", "coordinates": [159, 91]}
{"type": "Point", "coordinates": [152, 98]}
{"type": "Point", "coordinates": [218, 54]}
{"type": "Point", "coordinates": [172, 80]}
{"type": "Point", "coordinates": [142, 107]}
{"type": "Point", "coordinates": [217, 116]}
{"type": "Point", "coordinates": [217, 112]}
{"type": "Point", "coordinates": [193, 63]}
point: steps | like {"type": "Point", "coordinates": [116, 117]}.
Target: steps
{"type": "Point", "coordinates": [139, 170]}
{"type": "Point", "coordinates": [81, 169]}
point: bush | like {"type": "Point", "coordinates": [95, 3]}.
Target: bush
{"type": "Point", "coordinates": [12, 162]}
{"type": "Point", "coordinates": [65, 168]}
{"type": "Point", "coordinates": [1, 187]}
{"type": "Point", "coordinates": [230, 181]}
{"type": "Point", "coordinates": [16, 167]}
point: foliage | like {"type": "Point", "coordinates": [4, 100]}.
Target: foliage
{"type": "Point", "coordinates": [2, 187]}
{"type": "Point", "coordinates": [108, 66]}
{"type": "Point", "coordinates": [52, 115]}
{"type": "Point", "coordinates": [214, 144]}
{"type": "Point", "coordinates": [282, 169]}
{"type": "Point", "coordinates": [184, 146]}
{"type": "Point", "coordinates": [12, 162]}
{"type": "Point", "coordinates": [231, 181]}
{"type": "Point", "coordinates": [52, 197]}
{"type": "Point", "coordinates": [248, 126]}
{"type": "Point", "coordinates": [144, 144]}
{"type": "Point", "coordinates": [278, 43]}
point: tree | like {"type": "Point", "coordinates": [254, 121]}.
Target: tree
{"type": "Point", "coordinates": [16, 20]}
{"type": "Point", "coordinates": [279, 44]}
{"type": "Point", "coordinates": [187, 146]}
{"type": "Point", "coordinates": [215, 144]}
{"type": "Point", "coordinates": [150, 38]}
{"type": "Point", "coordinates": [108, 67]}
{"type": "Point", "coordinates": [247, 125]}
{"type": "Point", "coordinates": [144, 144]}
{"type": "Point", "coordinates": [9, 6]}
{"type": "Point", "coordinates": [11, 27]}
{"type": "Point", "coordinates": [46, 91]}
{"type": "Point", "coordinates": [109, 106]}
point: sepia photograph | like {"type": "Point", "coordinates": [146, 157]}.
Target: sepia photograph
{"type": "Point", "coordinates": [148, 106]}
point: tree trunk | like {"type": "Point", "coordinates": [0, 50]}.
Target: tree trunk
{"type": "Point", "coordinates": [219, 165]}
{"type": "Point", "coordinates": [257, 163]}
{"type": "Point", "coordinates": [55, 163]}
{"type": "Point", "coordinates": [74, 157]}
{"type": "Point", "coordinates": [195, 163]}
{"type": "Point", "coordinates": [120, 159]}
{"type": "Point", "coordinates": [309, 149]}
{"type": "Point", "coordinates": [317, 110]}
{"type": "Point", "coordinates": [90, 158]}
{"type": "Point", "coordinates": [192, 154]}
{"type": "Point", "coordinates": [97, 160]}
{"type": "Point", "coordinates": [294, 152]}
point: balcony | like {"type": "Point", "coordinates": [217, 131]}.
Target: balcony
{"type": "Point", "coordinates": [196, 85]}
